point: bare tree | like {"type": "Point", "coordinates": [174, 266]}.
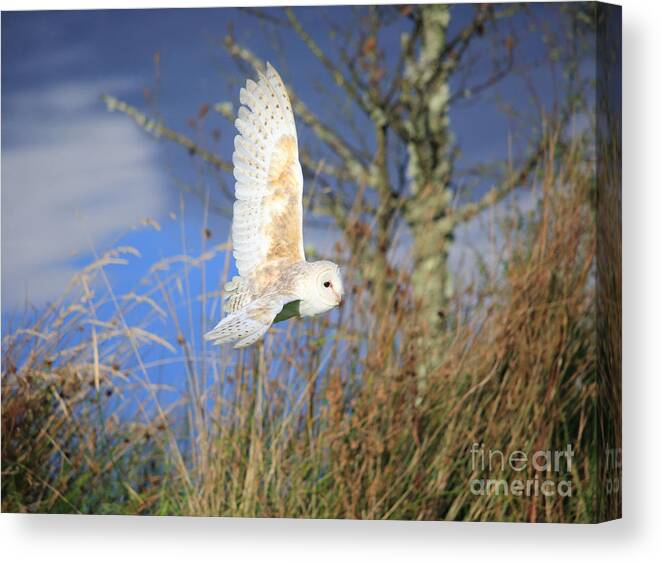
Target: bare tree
{"type": "Point", "coordinates": [404, 171]}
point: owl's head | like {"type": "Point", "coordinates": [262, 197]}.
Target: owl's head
{"type": "Point", "coordinates": [322, 289]}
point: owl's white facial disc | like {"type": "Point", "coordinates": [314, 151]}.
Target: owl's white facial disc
{"type": "Point", "coordinates": [322, 289]}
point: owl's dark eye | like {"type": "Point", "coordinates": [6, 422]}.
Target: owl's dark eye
{"type": "Point", "coordinates": [327, 284]}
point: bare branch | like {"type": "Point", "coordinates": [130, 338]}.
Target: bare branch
{"type": "Point", "coordinates": [386, 207]}
{"type": "Point", "coordinates": [461, 41]}
{"type": "Point", "coordinates": [262, 15]}
{"type": "Point", "coordinates": [497, 76]}
{"type": "Point", "coordinates": [161, 131]}
{"type": "Point", "coordinates": [498, 192]}
{"type": "Point", "coordinates": [335, 73]}
{"type": "Point", "coordinates": [312, 167]}
{"type": "Point", "coordinates": [406, 55]}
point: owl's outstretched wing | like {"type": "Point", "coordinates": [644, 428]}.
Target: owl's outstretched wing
{"type": "Point", "coordinates": [267, 229]}
{"type": "Point", "coordinates": [246, 326]}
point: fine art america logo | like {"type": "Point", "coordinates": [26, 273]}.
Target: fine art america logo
{"type": "Point", "coordinates": [549, 466]}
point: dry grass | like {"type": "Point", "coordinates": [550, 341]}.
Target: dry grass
{"type": "Point", "coordinates": [328, 419]}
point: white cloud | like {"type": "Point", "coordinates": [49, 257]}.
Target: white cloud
{"type": "Point", "coordinates": [69, 173]}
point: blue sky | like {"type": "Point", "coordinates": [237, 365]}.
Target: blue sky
{"type": "Point", "coordinates": [75, 176]}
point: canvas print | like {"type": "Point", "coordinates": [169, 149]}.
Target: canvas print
{"type": "Point", "coordinates": [358, 262]}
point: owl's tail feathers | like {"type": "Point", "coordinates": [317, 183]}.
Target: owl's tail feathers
{"type": "Point", "coordinates": [237, 294]}
{"type": "Point", "coordinates": [247, 326]}
{"type": "Point", "coordinates": [237, 327]}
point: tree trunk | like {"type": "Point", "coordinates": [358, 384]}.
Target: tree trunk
{"type": "Point", "coordinates": [429, 171]}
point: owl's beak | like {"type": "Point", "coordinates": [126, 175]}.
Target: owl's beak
{"type": "Point", "coordinates": [338, 297]}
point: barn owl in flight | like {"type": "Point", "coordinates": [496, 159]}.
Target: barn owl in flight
{"type": "Point", "coordinates": [275, 282]}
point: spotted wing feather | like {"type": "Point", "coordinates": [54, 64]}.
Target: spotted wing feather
{"type": "Point", "coordinates": [267, 228]}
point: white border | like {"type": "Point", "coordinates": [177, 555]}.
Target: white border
{"type": "Point", "coordinates": [99, 539]}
